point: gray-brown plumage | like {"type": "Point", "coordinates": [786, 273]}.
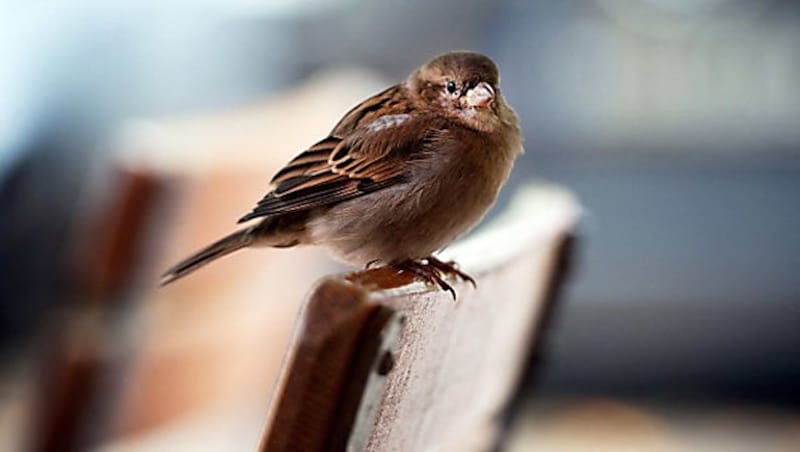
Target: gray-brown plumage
{"type": "Point", "coordinates": [401, 176]}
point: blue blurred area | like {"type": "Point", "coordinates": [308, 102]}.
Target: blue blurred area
{"type": "Point", "coordinates": [676, 122]}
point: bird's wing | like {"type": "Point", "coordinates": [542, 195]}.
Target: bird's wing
{"type": "Point", "coordinates": [365, 152]}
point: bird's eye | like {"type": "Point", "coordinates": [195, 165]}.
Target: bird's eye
{"type": "Point", "coordinates": [451, 87]}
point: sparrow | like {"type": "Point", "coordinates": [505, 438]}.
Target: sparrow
{"type": "Point", "coordinates": [401, 176]}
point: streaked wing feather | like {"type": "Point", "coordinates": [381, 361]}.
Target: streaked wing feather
{"type": "Point", "coordinates": [366, 151]}
{"type": "Point", "coordinates": [333, 192]}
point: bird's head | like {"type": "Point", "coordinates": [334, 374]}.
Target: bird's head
{"type": "Point", "coordinates": [463, 85]}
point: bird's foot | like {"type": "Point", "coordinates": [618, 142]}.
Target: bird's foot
{"type": "Point", "coordinates": [433, 271]}
{"type": "Point", "coordinates": [426, 272]}
{"type": "Point", "coordinates": [450, 268]}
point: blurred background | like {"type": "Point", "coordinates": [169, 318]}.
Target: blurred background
{"type": "Point", "coordinates": [134, 132]}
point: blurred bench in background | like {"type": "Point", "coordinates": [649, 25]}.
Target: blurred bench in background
{"type": "Point", "coordinates": [85, 347]}
{"type": "Point", "coordinates": [381, 362]}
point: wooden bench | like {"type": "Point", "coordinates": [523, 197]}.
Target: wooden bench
{"type": "Point", "coordinates": [382, 362]}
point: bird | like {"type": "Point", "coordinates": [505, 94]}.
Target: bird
{"type": "Point", "coordinates": [401, 176]}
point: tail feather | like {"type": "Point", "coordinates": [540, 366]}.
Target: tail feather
{"type": "Point", "coordinates": [216, 250]}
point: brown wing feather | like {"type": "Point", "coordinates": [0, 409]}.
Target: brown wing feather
{"type": "Point", "coordinates": [367, 151]}
{"type": "Point", "coordinates": [391, 100]}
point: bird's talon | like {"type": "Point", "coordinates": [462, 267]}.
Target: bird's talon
{"type": "Point", "coordinates": [451, 268]}
{"type": "Point", "coordinates": [452, 292]}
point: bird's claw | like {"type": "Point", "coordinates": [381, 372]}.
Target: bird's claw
{"type": "Point", "coordinates": [432, 270]}
{"type": "Point", "coordinates": [451, 268]}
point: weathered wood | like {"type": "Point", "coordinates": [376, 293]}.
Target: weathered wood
{"type": "Point", "coordinates": [381, 362]}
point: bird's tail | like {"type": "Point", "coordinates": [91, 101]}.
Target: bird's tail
{"type": "Point", "coordinates": [220, 248]}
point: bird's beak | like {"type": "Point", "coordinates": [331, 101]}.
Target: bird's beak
{"type": "Point", "coordinates": [480, 96]}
